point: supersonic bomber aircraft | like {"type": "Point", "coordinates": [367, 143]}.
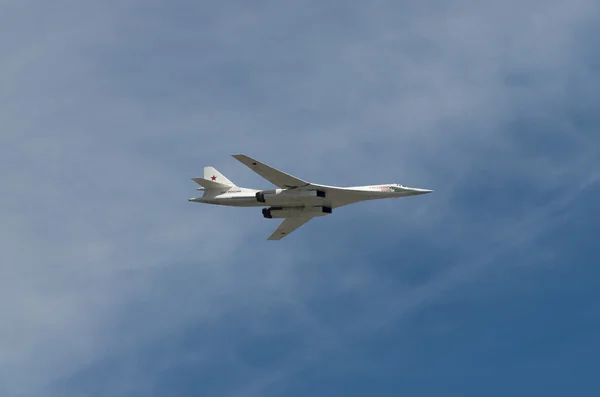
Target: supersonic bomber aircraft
{"type": "Point", "coordinates": [295, 200]}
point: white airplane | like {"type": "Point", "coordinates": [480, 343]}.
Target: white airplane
{"type": "Point", "coordinates": [295, 200]}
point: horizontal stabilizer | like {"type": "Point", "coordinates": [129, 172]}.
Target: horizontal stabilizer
{"type": "Point", "coordinates": [208, 184]}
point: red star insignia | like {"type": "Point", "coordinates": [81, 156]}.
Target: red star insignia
{"type": "Point", "coordinates": [213, 177]}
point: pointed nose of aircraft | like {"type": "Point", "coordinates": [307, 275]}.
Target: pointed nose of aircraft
{"type": "Point", "coordinates": [416, 191]}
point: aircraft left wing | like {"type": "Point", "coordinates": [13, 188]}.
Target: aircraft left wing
{"type": "Point", "coordinates": [276, 177]}
{"type": "Point", "coordinates": [288, 226]}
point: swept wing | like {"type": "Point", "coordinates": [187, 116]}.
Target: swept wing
{"type": "Point", "coordinates": [276, 177]}
{"type": "Point", "coordinates": [288, 226]}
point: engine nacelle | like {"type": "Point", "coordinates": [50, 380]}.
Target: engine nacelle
{"type": "Point", "coordinates": [295, 212]}
{"type": "Point", "coordinates": [262, 196]}
{"type": "Point", "coordinates": [285, 196]}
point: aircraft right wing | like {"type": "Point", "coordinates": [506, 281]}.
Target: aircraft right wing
{"type": "Point", "coordinates": [288, 226]}
{"type": "Point", "coordinates": [276, 177]}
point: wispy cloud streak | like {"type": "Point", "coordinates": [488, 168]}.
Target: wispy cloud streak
{"type": "Point", "coordinates": [110, 107]}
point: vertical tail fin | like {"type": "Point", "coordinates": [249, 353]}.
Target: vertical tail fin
{"type": "Point", "coordinates": [211, 174]}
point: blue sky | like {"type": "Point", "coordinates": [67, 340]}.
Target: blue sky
{"type": "Point", "coordinates": [112, 284]}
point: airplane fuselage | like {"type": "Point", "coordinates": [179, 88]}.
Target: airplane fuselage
{"type": "Point", "coordinates": [317, 195]}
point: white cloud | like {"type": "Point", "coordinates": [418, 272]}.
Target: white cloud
{"type": "Point", "coordinates": [109, 108]}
